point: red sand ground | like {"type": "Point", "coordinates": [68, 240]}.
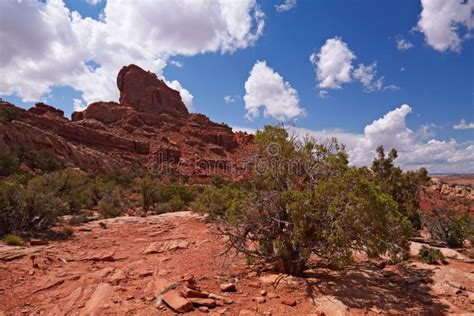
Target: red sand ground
{"type": "Point", "coordinates": [104, 272]}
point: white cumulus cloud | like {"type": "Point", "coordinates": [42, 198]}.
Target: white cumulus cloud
{"type": "Point", "coordinates": [366, 74]}
{"type": "Point", "coordinates": [44, 44]}
{"type": "Point", "coordinates": [464, 125]}
{"type": "Point", "coordinates": [403, 44]}
{"type": "Point", "coordinates": [333, 63]}
{"type": "Point", "coordinates": [176, 63]}
{"type": "Point", "coordinates": [229, 99]}
{"type": "Point", "coordinates": [443, 23]}
{"type": "Point", "coordinates": [93, 2]}
{"type": "Point", "coordinates": [79, 105]}
{"type": "Point", "coordinates": [267, 89]}
{"type": "Point", "coordinates": [186, 96]}
{"type": "Point", "coordinates": [286, 6]}
{"type": "Point", "coordinates": [414, 151]}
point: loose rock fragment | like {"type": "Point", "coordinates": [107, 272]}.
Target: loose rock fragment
{"type": "Point", "coordinates": [288, 302]}
{"type": "Point", "coordinates": [187, 292]}
{"type": "Point", "coordinates": [38, 242]}
{"type": "Point", "coordinates": [203, 302]}
{"type": "Point", "coordinates": [228, 287]}
{"type": "Point", "coordinates": [259, 300]}
{"type": "Point", "coordinates": [176, 302]}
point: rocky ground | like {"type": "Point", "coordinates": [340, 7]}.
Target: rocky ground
{"type": "Point", "coordinates": [122, 267]}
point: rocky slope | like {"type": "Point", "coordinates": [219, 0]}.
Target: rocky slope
{"type": "Point", "coordinates": [439, 196]}
{"type": "Point", "coordinates": [148, 266]}
{"type": "Point", "coordinates": [150, 127]}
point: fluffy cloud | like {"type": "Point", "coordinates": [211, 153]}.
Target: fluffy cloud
{"type": "Point", "coordinates": [286, 6]}
{"type": "Point", "coordinates": [366, 75]}
{"type": "Point", "coordinates": [79, 105]}
{"type": "Point", "coordinates": [229, 99]}
{"type": "Point", "coordinates": [413, 148]}
{"type": "Point", "coordinates": [323, 94]}
{"type": "Point", "coordinates": [403, 44]}
{"type": "Point", "coordinates": [93, 2]}
{"type": "Point", "coordinates": [186, 96]}
{"type": "Point", "coordinates": [267, 89]}
{"type": "Point", "coordinates": [443, 21]}
{"type": "Point", "coordinates": [333, 64]}
{"type": "Point", "coordinates": [334, 67]}
{"type": "Point", "coordinates": [464, 125]}
{"type": "Point", "coordinates": [45, 44]}
{"type": "Point", "coordinates": [176, 63]}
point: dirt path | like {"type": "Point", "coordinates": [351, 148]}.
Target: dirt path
{"type": "Point", "coordinates": [120, 270]}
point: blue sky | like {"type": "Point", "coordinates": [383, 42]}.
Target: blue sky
{"type": "Point", "coordinates": [433, 75]}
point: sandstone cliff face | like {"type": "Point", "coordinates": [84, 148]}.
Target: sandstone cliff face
{"type": "Point", "coordinates": [146, 93]}
{"type": "Point", "coordinates": [438, 195]}
{"type": "Point", "coordinates": [150, 128]}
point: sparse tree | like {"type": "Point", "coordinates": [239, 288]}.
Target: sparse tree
{"type": "Point", "coordinates": [305, 199]}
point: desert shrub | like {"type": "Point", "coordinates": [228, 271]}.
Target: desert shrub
{"type": "Point", "coordinates": [20, 178]}
{"type": "Point", "coordinates": [70, 185]}
{"type": "Point", "coordinates": [446, 225]}
{"type": "Point", "coordinates": [100, 187]}
{"type": "Point", "coordinates": [42, 209]}
{"type": "Point", "coordinates": [403, 187]}
{"type": "Point", "coordinates": [117, 178]}
{"type": "Point", "coordinates": [111, 205]}
{"type": "Point", "coordinates": [148, 188]}
{"type": "Point", "coordinates": [164, 197]}
{"type": "Point", "coordinates": [169, 191]}
{"type": "Point", "coordinates": [217, 201]}
{"type": "Point", "coordinates": [305, 199]}
{"type": "Point", "coordinates": [76, 220]}
{"type": "Point", "coordinates": [173, 205]}
{"type": "Point", "coordinates": [38, 159]}
{"type": "Point", "coordinates": [11, 206]}
{"type": "Point", "coordinates": [219, 181]}
{"type": "Point", "coordinates": [9, 113]}
{"type": "Point", "coordinates": [430, 255]}
{"type": "Point", "coordinates": [28, 209]}
{"type": "Point", "coordinates": [13, 240]}
{"type": "Point", "coordinates": [9, 162]}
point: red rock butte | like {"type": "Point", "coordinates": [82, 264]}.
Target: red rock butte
{"type": "Point", "coordinates": [149, 124]}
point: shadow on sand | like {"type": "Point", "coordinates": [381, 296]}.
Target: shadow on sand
{"type": "Point", "coordinates": [365, 286]}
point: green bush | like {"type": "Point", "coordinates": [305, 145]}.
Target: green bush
{"type": "Point", "coordinates": [169, 191]}
{"type": "Point", "coordinates": [28, 209]}
{"type": "Point", "coordinates": [148, 188]}
{"type": "Point", "coordinates": [13, 240]}
{"type": "Point", "coordinates": [76, 220]}
{"type": "Point", "coordinates": [39, 159]}
{"type": "Point", "coordinates": [70, 185]}
{"type": "Point", "coordinates": [305, 199]}
{"type": "Point", "coordinates": [12, 205]}
{"type": "Point", "coordinates": [430, 255]}
{"type": "Point", "coordinates": [111, 205]}
{"type": "Point", "coordinates": [164, 197]}
{"type": "Point", "coordinates": [9, 162]}
{"type": "Point", "coordinates": [219, 201]}
{"type": "Point", "coordinates": [446, 226]}
{"type": "Point", "coordinates": [403, 187]}
{"type": "Point", "coordinates": [9, 113]}
{"type": "Point", "coordinates": [173, 205]}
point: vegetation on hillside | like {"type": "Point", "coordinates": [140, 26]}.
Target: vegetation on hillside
{"type": "Point", "coordinates": [303, 198]}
